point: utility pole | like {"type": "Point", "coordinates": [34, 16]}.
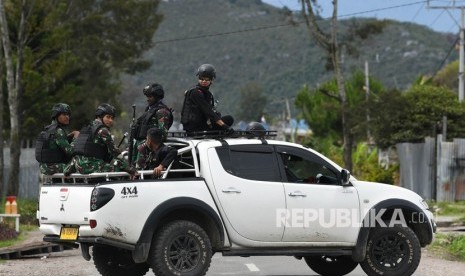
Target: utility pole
{"type": "Point", "coordinates": [367, 97]}
{"type": "Point", "coordinates": [461, 25]}
{"type": "Point", "coordinates": [288, 118]}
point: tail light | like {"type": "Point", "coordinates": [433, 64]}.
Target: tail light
{"type": "Point", "coordinates": [100, 197]}
{"type": "Point", "coordinates": [92, 223]}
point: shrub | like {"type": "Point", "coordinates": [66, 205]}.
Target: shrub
{"type": "Point", "coordinates": [28, 209]}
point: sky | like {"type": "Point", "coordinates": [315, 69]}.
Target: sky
{"type": "Point", "coordinates": [421, 12]}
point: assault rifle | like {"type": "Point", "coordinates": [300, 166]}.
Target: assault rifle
{"type": "Point", "coordinates": [131, 135]}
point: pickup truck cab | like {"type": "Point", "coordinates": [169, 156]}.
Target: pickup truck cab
{"type": "Point", "coordinates": [241, 196]}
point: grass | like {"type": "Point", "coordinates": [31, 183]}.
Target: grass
{"type": "Point", "coordinates": [456, 208]}
{"type": "Point", "coordinates": [23, 233]}
{"type": "Point", "coordinates": [450, 246]}
{"type": "Point", "coordinates": [452, 209]}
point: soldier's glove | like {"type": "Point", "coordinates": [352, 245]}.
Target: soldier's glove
{"type": "Point", "coordinates": [228, 130]}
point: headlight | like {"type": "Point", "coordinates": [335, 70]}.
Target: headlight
{"type": "Point", "coordinates": [424, 203]}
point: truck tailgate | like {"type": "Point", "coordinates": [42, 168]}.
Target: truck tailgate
{"type": "Point", "coordinates": [65, 204]}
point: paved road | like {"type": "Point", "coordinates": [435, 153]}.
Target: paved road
{"type": "Point", "coordinates": [70, 263]}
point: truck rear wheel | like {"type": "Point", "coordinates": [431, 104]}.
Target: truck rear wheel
{"type": "Point", "coordinates": [111, 261]}
{"type": "Point", "coordinates": [180, 248]}
{"type": "Point", "coordinates": [392, 251]}
{"type": "Point", "coordinates": [331, 265]}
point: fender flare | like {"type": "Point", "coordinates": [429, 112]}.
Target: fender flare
{"type": "Point", "coordinates": [358, 255]}
{"type": "Point", "coordinates": [142, 247]}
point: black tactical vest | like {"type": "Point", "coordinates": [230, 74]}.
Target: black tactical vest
{"type": "Point", "coordinates": [45, 153]}
{"type": "Point", "coordinates": [142, 124]}
{"type": "Point", "coordinates": [85, 145]}
{"type": "Point", "coordinates": [190, 113]}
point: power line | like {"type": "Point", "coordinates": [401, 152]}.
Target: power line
{"type": "Point", "coordinates": [418, 12]}
{"type": "Point", "coordinates": [285, 24]}
{"type": "Point", "coordinates": [447, 56]}
{"type": "Point", "coordinates": [436, 19]}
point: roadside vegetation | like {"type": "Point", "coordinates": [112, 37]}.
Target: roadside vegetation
{"type": "Point", "coordinates": [8, 236]}
{"type": "Point", "coordinates": [456, 209]}
{"type": "Point", "coordinates": [449, 245]}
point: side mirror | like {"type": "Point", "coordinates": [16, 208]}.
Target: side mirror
{"type": "Point", "coordinates": [345, 177]}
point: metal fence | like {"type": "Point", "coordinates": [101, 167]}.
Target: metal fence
{"type": "Point", "coordinates": [436, 175]}
{"type": "Point", "coordinates": [28, 173]}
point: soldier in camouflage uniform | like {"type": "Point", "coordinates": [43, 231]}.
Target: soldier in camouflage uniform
{"type": "Point", "coordinates": [54, 147]}
{"type": "Point", "coordinates": [153, 154]}
{"type": "Point", "coordinates": [95, 150]}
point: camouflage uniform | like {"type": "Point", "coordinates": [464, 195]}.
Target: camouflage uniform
{"type": "Point", "coordinates": [85, 165]}
{"type": "Point", "coordinates": [60, 141]}
{"type": "Point", "coordinates": [148, 159]}
{"type": "Point", "coordinates": [162, 119]}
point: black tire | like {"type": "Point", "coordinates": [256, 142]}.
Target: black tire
{"type": "Point", "coordinates": [331, 265]}
{"type": "Point", "coordinates": [111, 261]}
{"type": "Point", "coordinates": [180, 248]}
{"type": "Point", "coordinates": [392, 251]}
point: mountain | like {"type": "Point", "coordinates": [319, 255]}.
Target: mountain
{"type": "Point", "coordinates": [249, 41]}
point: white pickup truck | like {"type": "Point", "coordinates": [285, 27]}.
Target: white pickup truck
{"type": "Point", "coordinates": [238, 196]}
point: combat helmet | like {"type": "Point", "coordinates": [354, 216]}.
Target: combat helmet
{"type": "Point", "coordinates": [104, 109]}
{"type": "Point", "coordinates": [60, 108]}
{"type": "Point", "coordinates": [206, 71]}
{"type": "Point", "coordinates": [155, 90]}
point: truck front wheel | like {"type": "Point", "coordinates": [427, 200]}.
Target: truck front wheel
{"type": "Point", "coordinates": [392, 251]}
{"type": "Point", "coordinates": [111, 261]}
{"type": "Point", "coordinates": [180, 248]}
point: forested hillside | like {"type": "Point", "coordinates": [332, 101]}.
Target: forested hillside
{"type": "Point", "coordinates": [249, 41]}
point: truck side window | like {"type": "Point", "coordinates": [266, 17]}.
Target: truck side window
{"type": "Point", "coordinates": [299, 169]}
{"type": "Point", "coordinates": [254, 162]}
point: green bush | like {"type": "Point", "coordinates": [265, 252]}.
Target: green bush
{"type": "Point", "coordinates": [366, 166]}
{"type": "Point", "coordinates": [457, 247]}
{"type": "Point", "coordinates": [28, 209]}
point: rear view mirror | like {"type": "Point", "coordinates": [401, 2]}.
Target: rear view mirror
{"type": "Point", "coordinates": [345, 177]}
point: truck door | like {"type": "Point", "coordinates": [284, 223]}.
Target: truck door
{"type": "Point", "coordinates": [319, 209]}
{"type": "Point", "coordinates": [248, 185]}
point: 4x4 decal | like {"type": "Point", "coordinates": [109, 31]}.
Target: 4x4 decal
{"type": "Point", "coordinates": [129, 192]}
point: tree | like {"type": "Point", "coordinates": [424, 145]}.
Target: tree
{"type": "Point", "coordinates": [448, 76]}
{"type": "Point", "coordinates": [411, 116]}
{"type": "Point", "coordinates": [68, 51]}
{"type": "Point", "coordinates": [322, 109]}
{"type": "Point", "coordinates": [252, 102]}
{"type": "Point", "coordinates": [84, 48]}
{"type": "Point", "coordinates": [2, 158]}
{"type": "Point", "coordinates": [14, 81]}
{"type": "Point", "coordinates": [330, 43]}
